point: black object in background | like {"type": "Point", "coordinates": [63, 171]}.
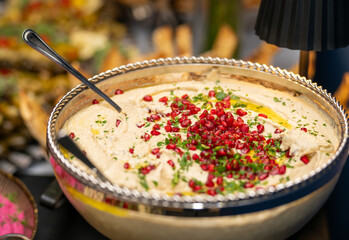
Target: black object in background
{"type": "Point", "coordinates": [330, 67]}
{"type": "Point", "coordinates": [306, 25]}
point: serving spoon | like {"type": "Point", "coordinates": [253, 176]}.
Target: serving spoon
{"type": "Point", "coordinates": [35, 41]}
{"type": "Point", "coordinates": [65, 141]}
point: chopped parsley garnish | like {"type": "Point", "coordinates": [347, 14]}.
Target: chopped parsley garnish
{"type": "Point", "coordinates": [276, 99]}
{"type": "Point", "coordinates": [220, 95]}
{"type": "Point", "coordinates": [143, 181]}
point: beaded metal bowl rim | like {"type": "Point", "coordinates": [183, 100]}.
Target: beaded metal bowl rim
{"type": "Point", "coordinates": [198, 201]}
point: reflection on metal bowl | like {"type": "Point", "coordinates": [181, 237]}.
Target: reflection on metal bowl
{"type": "Point", "coordinates": [121, 213]}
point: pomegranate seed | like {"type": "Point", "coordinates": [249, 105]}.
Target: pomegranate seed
{"type": "Point", "coordinates": [209, 125]}
{"type": "Point", "coordinates": [146, 137]}
{"type": "Point", "coordinates": [282, 170]}
{"type": "Point", "coordinates": [156, 117]}
{"type": "Point", "coordinates": [174, 114]}
{"type": "Point", "coordinates": [227, 104]}
{"type": "Point", "coordinates": [155, 133]}
{"type": "Point", "coordinates": [211, 192]}
{"type": "Point", "coordinates": [185, 123]}
{"type": "Point", "coordinates": [171, 163]}
{"type": "Point", "coordinates": [171, 146]}
{"type": "Point", "coordinates": [131, 150]}
{"type": "Point", "coordinates": [145, 171]}
{"type": "Point", "coordinates": [195, 156]}
{"type": "Point", "coordinates": [194, 142]}
{"type": "Point", "coordinates": [139, 125]}
{"type": "Point", "coordinates": [191, 147]}
{"type": "Point", "coordinates": [209, 184]}
{"type": "Point", "coordinates": [150, 119]}
{"type": "Point", "coordinates": [219, 181]}
{"type": "Point", "coordinates": [168, 128]}
{"type": "Point", "coordinates": [263, 176]}
{"type": "Point", "coordinates": [175, 129]}
{"type": "Point", "coordinates": [260, 128]}
{"type": "Point", "coordinates": [244, 128]}
{"type": "Point", "coordinates": [226, 99]}
{"type": "Point", "coordinates": [245, 151]}
{"type": "Point", "coordinates": [239, 145]}
{"type": "Point", "coordinates": [262, 115]}
{"type": "Point", "coordinates": [185, 96]}
{"type": "Point", "coordinates": [174, 105]}
{"type": "Point", "coordinates": [204, 167]}
{"type": "Point", "coordinates": [211, 93]}
{"type": "Point", "coordinates": [278, 130]}
{"type": "Point", "coordinates": [221, 152]}
{"type": "Point", "coordinates": [191, 183]}
{"type": "Point", "coordinates": [210, 117]}
{"type": "Point", "coordinates": [213, 111]}
{"type": "Point", "coordinates": [95, 101]}
{"type": "Point", "coordinates": [197, 188]}
{"type": "Point", "coordinates": [156, 127]}
{"type": "Point", "coordinates": [305, 159]}
{"type": "Point", "coordinates": [268, 167]}
{"type": "Point", "coordinates": [148, 98]}
{"type": "Point", "coordinates": [304, 129]}
{"type": "Point", "coordinates": [163, 99]}
{"type": "Point", "coordinates": [274, 171]}
{"type": "Point", "coordinates": [118, 121]}
{"type": "Point", "coordinates": [248, 185]}
{"type": "Point", "coordinates": [179, 151]}
{"type": "Point", "coordinates": [155, 151]}
{"type": "Point", "coordinates": [118, 92]}
{"type": "Point", "coordinates": [288, 154]}
{"type": "Point", "coordinates": [239, 121]}
{"type": "Point", "coordinates": [251, 176]}
{"type": "Point", "coordinates": [210, 177]}
{"type": "Point", "coordinates": [72, 135]}
{"type": "Point", "coordinates": [241, 112]}
{"type": "Point", "coordinates": [210, 167]}
{"type": "Point", "coordinates": [126, 165]}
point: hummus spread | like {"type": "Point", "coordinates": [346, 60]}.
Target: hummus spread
{"type": "Point", "coordinates": [203, 137]}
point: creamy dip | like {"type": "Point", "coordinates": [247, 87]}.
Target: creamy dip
{"type": "Point", "coordinates": [213, 137]}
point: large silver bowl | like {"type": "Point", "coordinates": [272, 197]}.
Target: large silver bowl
{"type": "Point", "coordinates": [120, 213]}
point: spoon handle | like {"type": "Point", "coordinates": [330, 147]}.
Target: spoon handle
{"type": "Point", "coordinates": [69, 144]}
{"type": "Point", "coordinates": [36, 42]}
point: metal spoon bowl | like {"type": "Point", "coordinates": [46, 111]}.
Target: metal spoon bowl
{"type": "Point", "coordinates": [35, 41]}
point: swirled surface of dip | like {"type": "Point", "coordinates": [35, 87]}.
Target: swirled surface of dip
{"type": "Point", "coordinates": [204, 137]}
